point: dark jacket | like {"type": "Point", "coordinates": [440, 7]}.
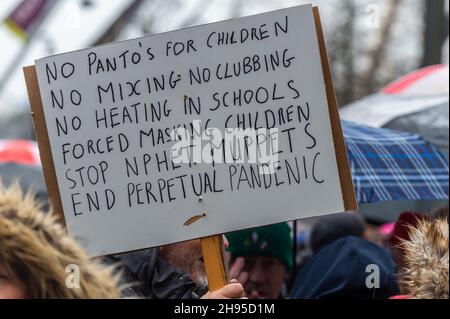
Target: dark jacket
{"type": "Point", "coordinates": [147, 275]}
{"type": "Point", "coordinates": [340, 270]}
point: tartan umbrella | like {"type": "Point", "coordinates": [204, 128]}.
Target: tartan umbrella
{"type": "Point", "coordinates": [390, 165]}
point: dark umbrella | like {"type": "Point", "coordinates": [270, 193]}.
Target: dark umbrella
{"type": "Point", "coordinates": [19, 162]}
{"type": "Point", "coordinates": [432, 124]}
{"type": "Point", "coordinates": [30, 178]}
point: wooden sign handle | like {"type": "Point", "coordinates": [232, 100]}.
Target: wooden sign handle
{"type": "Point", "coordinates": [213, 256]}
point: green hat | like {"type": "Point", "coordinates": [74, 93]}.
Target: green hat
{"type": "Point", "coordinates": [270, 241]}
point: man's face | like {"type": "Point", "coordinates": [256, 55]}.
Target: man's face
{"type": "Point", "coordinates": [187, 256]}
{"type": "Point", "coordinates": [266, 276]}
{"type": "Point", "coordinates": [8, 288]}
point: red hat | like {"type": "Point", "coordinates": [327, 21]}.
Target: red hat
{"type": "Point", "coordinates": [401, 227]}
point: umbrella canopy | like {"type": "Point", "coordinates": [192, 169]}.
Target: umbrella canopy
{"type": "Point", "coordinates": [30, 178]}
{"type": "Point", "coordinates": [15, 123]}
{"type": "Point", "coordinates": [379, 109]}
{"type": "Point", "coordinates": [20, 152]}
{"type": "Point", "coordinates": [415, 92]}
{"type": "Point", "coordinates": [432, 124]}
{"type": "Point", "coordinates": [416, 103]}
{"type": "Point", "coordinates": [19, 162]}
{"type": "Point", "coordinates": [389, 165]}
{"type": "Point", "coordinates": [431, 80]}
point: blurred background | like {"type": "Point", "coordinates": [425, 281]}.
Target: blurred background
{"type": "Point", "coordinates": [370, 42]}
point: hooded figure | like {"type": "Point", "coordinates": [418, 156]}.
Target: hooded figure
{"type": "Point", "coordinates": [426, 260]}
{"type": "Point", "coordinates": [40, 260]}
{"type": "Point", "coordinates": [349, 268]}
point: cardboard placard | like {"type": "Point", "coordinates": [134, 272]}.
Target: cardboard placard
{"type": "Point", "coordinates": [133, 196]}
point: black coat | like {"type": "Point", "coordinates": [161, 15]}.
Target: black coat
{"type": "Point", "coordinates": [146, 275]}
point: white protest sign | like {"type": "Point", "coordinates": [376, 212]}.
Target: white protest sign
{"type": "Point", "coordinates": [121, 119]}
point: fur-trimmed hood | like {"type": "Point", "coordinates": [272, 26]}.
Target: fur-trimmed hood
{"type": "Point", "coordinates": [426, 260]}
{"type": "Point", "coordinates": [40, 254]}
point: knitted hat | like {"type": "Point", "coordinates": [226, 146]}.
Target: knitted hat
{"type": "Point", "coordinates": [333, 227]}
{"type": "Point", "coordinates": [269, 241]}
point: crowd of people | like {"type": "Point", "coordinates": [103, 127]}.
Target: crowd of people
{"type": "Point", "coordinates": [339, 256]}
{"type": "Point", "coordinates": [346, 260]}
{"type": "Point", "coordinates": [342, 255]}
